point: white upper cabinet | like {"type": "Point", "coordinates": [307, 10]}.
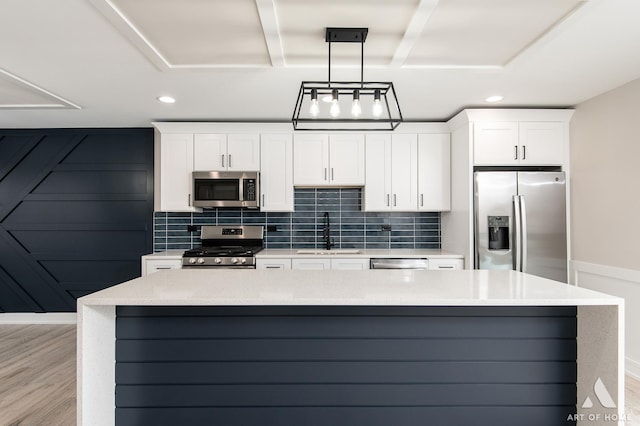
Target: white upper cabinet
{"type": "Point", "coordinates": [173, 176]}
{"type": "Point", "coordinates": [495, 143]}
{"type": "Point", "coordinates": [434, 172]}
{"type": "Point", "coordinates": [210, 151]}
{"type": "Point", "coordinates": [391, 170]}
{"type": "Point", "coordinates": [227, 152]}
{"type": "Point", "coordinates": [276, 176]}
{"type": "Point", "coordinates": [523, 143]}
{"type": "Point", "coordinates": [311, 159]}
{"type": "Point", "coordinates": [323, 160]}
{"type": "Point", "coordinates": [541, 143]}
{"type": "Point", "coordinates": [346, 159]}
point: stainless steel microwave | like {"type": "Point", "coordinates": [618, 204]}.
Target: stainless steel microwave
{"type": "Point", "coordinates": [226, 189]}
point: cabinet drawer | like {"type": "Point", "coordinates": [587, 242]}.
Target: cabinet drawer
{"type": "Point", "coordinates": [446, 264]}
{"type": "Point", "coordinates": [155, 265]}
{"type": "Point", "coordinates": [284, 263]}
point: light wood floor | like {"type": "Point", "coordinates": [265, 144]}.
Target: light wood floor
{"type": "Point", "coordinates": [38, 377]}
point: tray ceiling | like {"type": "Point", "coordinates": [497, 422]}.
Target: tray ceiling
{"type": "Point", "coordinates": [428, 33]}
{"type": "Point", "coordinates": [244, 59]}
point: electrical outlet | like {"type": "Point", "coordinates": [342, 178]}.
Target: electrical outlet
{"type": "Point", "coordinates": [385, 227]}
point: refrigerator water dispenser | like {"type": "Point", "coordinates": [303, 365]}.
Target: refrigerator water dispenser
{"type": "Point", "coordinates": [498, 232]}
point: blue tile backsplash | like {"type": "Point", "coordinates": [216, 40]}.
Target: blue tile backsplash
{"type": "Point", "coordinates": [350, 227]}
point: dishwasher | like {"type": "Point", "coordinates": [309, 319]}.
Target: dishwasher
{"type": "Point", "coordinates": [398, 263]}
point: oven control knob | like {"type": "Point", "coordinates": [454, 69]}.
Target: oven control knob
{"type": "Point", "coordinates": [217, 260]}
{"type": "Point", "coordinates": [243, 260]}
{"type": "Point", "coordinates": [200, 261]}
{"type": "Point", "coordinates": [192, 261]}
{"type": "Point", "coordinates": [234, 260]}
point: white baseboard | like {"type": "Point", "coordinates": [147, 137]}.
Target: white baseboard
{"type": "Point", "coordinates": [619, 282]}
{"type": "Point", "coordinates": [36, 318]}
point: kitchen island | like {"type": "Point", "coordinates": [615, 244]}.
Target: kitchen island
{"type": "Point", "coordinates": [349, 347]}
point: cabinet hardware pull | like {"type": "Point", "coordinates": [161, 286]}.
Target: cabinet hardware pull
{"type": "Point", "coordinates": [445, 267]}
{"type": "Point", "coordinates": [163, 267]}
{"type": "Point", "coordinates": [524, 152]}
{"type": "Point", "coordinates": [421, 200]}
{"type": "Point", "coordinates": [387, 200]}
{"type": "Point", "coordinates": [516, 149]}
{"type": "Point", "coordinates": [263, 199]}
{"type": "Point", "coordinates": [394, 200]}
{"type": "Point", "coordinates": [229, 160]}
{"type": "Point", "coordinates": [332, 178]}
{"type": "Point", "coordinates": [189, 200]}
{"type": "Point", "coordinates": [222, 160]}
{"type": "Point", "coordinates": [325, 173]}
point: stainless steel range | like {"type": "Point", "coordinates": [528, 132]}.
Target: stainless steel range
{"type": "Point", "coordinates": [227, 246]}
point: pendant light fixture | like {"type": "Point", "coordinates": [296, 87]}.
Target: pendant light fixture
{"type": "Point", "coordinates": [354, 105]}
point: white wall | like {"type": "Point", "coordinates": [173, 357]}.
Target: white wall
{"type": "Point", "coordinates": [605, 202]}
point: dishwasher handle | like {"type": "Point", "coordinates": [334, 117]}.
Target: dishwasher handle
{"type": "Point", "coordinates": [399, 263]}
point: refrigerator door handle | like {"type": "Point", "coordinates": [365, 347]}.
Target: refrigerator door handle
{"type": "Point", "coordinates": [523, 220]}
{"type": "Point", "coordinates": [517, 234]}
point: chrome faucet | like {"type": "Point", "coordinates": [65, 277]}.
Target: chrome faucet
{"type": "Point", "coordinates": [326, 232]}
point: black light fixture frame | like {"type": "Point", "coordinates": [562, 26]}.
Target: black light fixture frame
{"type": "Point", "coordinates": [392, 115]}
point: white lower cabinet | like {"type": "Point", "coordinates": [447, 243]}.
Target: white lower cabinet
{"type": "Point", "coordinates": [272, 263]}
{"type": "Point", "coordinates": [445, 263]}
{"type": "Point", "coordinates": [318, 263]}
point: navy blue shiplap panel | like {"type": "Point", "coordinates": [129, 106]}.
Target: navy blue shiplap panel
{"type": "Point", "coordinates": [76, 210]}
{"type": "Point", "coordinates": [345, 365]}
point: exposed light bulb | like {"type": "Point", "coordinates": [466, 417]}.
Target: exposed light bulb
{"type": "Point", "coordinates": [356, 108]}
{"type": "Point", "coordinates": [377, 105]}
{"type": "Point", "coordinates": [334, 111]}
{"type": "Point", "coordinates": [314, 108]}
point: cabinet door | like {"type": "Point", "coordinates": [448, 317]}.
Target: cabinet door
{"type": "Point", "coordinates": [209, 152]}
{"type": "Point", "coordinates": [276, 175]}
{"type": "Point", "coordinates": [176, 167]}
{"type": "Point", "coordinates": [346, 159]}
{"type": "Point", "coordinates": [311, 159]}
{"type": "Point", "coordinates": [243, 152]}
{"type": "Point", "coordinates": [434, 172]}
{"type": "Point", "coordinates": [404, 172]}
{"type": "Point", "coordinates": [495, 144]}
{"type": "Point", "coordinates": [541, 143]}
{"type": "Point", "coordinates": [350, 264]}
{"type": "Point", "coordinates": [377, 188]}
{"type": "Point", "coordinates": [310, 264]}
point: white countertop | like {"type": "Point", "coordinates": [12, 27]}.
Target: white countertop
{"type": "Point", "coordinates": [363, 253]}
{"type": "Point", "coordinates": [338, 287]}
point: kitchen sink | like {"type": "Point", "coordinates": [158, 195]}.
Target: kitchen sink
{"type": "Point", "coordinates": [337, 251]}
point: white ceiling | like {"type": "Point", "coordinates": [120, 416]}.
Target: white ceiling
{"type": "Point", "coordinates": [103, 63]}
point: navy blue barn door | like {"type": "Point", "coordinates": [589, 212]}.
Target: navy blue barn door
{"type": "Point", "coordinates": [76, 211]}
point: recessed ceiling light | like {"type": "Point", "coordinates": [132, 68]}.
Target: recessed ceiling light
{"type": "Point", "coordinates": [166, 99]}
{"type": "Point", "coordinates": [496, 98]}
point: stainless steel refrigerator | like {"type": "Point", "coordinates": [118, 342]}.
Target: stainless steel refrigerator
{"type": "Point", "coordinates": [520, 222]}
